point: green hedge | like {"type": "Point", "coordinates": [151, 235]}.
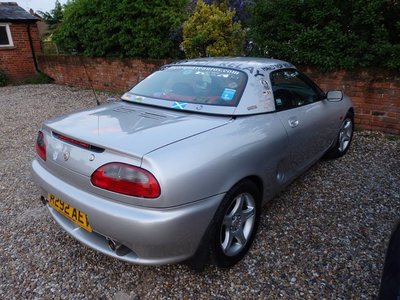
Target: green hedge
{"type": "Point", "coordinates": [328, 34]}
{"type": "Point", "coordinates": [121, 28]}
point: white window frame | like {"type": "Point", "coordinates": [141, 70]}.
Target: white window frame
{"type": "Point", "coordinates": [10, 40]}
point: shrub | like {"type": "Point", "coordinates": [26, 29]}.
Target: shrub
{"type": "Point", "coordinates": [39, 78]}
{"type": "Point", "coordinates": [329, 34]}
{"type": "Point", "coordinates": [211, 31]}
{"type": "Point", "coordinates": [54, 17]}
{"type": "Point", "coordinates": [241, 8]}
{"type": "Point", "coordinates": [3, 78]}
{"type": "Point", "coordinates": [119, 28]}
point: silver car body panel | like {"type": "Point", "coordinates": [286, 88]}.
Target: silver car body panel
{"type": "Point", "coordinates": [154, 236]}
{"type": "Point", "coordinates": [131, 129]}
{"type": "Point", "coordinates": [196, 157]}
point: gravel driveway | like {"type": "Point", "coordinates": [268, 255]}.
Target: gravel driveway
{"type": "Point", "coordinates": [325, 237]}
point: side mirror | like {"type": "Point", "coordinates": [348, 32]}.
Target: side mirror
{"type": "Point", "coordinates": [334, 96]}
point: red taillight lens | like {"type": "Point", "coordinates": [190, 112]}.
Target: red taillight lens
{"type": "Point", "coordinates": [126, 179]}
{"type": "Point", "coordinates": [41, 146]}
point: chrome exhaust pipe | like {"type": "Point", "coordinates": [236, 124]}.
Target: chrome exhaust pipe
{"type": "Point", "coordinates": [44, 200]}
{"type": "Point", "coordinates": [112, 244]}
{"type": "Point", "coordinates": [118, 248]}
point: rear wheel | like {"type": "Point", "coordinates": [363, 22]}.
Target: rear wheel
{"type": "Point", "coordinates": [235, 224]}
{"type": "Point", "coordinates": [344, 138]}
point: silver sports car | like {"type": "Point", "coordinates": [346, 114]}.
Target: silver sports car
{"type": "Point", "coordinates": [179, 169]}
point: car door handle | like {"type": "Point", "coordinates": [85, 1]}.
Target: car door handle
{"type": "Point", "coordinates": [293, 123]}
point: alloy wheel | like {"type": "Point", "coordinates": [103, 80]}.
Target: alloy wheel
{"type": "Point", "coordinates": [238, 224]}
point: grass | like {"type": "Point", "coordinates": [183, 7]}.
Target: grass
{"type": "Point", "coordinates": [392, 137]}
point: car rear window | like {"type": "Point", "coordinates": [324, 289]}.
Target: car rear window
{"type": "Point", "coordinates": [194, 84]}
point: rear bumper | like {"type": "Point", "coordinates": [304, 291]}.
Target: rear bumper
{"type": "Point", "coordinates": [153, 236]}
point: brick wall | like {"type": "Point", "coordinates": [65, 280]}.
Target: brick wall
{"type": "Point", "coordinates": [104, 74]}
{"type": "Point", "coordinates": [376, 95]}
{"type": "Point", "coordinates": [17, 62]}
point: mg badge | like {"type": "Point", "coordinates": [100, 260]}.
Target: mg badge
{"type": "Point", "coordinates": [91, 157]}
{"type": "Point", "coordinates": [66, 155]}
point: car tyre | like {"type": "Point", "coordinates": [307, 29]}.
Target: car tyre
{"type": "Point", "coordinates": [343, 139]}
{"type": "Point", "coordinates": [390, 282]}
{"type": "Point", "coordinates": [235, 224]}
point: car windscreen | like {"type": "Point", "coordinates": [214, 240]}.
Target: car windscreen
{"type": "Point", "coordinates": [194, 84]}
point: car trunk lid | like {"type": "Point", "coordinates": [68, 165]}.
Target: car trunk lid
{"type": "Point", "coordinates": [83, 141]}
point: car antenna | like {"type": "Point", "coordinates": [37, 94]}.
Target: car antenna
{"type": "Point", "coordinates": [90, 81]}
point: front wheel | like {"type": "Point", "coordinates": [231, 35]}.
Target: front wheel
{"type": "Point", "coordinates": [235, 224]}
{"type": "Point", "coordinates": [343, 139]}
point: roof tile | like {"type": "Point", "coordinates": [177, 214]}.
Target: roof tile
{"type": "Point", "coordinates": [10, 11]}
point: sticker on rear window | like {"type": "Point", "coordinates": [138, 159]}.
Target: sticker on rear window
{"type": "Point", "coordinates": [278, 101]}
{"type": "Point", "coordinates": [228, 94]}
{"type": "Point", "coordinates": [233, 85]}
{"type": "Point", "coordinates": [179, 105]}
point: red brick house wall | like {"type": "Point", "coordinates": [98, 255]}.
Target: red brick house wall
{"type": "Point", "coordinates": [17, 61]}
{"type": "Point", "coordinates": [376, 95]}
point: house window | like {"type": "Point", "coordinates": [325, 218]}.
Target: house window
{"type": "Point", "coordinates": [5, 36]}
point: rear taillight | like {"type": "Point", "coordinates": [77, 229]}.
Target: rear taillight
{"type": "Point", "coordinates": [41, 145]}
{"type": "Point", "coordinates": [126, 179]}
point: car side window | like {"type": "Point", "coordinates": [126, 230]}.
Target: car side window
{"type": "Point", "coordinates": [291, 89]}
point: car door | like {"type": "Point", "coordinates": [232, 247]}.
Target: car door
{"type": "Point", "coordinates": [300, 107]}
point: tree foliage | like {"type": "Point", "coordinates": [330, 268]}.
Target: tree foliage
{"type": "Point", "coordinates": [121, 28]}
{"type": "Point", "coordinates": [329, 34]}
{"type": "Point", "coordinates": [211, 31]}
{"type": "Point", "coordinates": [54, 17]}
{"type": "Point", "coordinates": [241, 8]}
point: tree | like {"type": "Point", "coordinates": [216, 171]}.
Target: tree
{"type": "Point", "coordinates": [329, 34]}
{"type": "Point", "coordinates": [54, 17]}
{"type": "Point", "coordinates": [241, 8]}
{"type": "Point", "coordinates": [211, 31]}
{"type": "Point", "coordinates": [121, 28]}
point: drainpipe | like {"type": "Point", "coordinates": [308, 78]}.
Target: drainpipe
{"type": "Point", "coordinates": [28, 29]}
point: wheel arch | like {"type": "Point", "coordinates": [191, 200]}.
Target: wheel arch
{"type": "Point", "coordinates": [258, 182]}
{"type": "Point", "coordinates": [351, 111]}
{"type": "Point", "coordinates": [202, 255]}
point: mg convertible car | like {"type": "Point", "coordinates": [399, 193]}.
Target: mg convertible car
{"type": "Point", "coordinates": [178, 169]}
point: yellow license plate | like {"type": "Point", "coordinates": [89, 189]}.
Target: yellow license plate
{"type": "Point", "coordinates": [70, 212]}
